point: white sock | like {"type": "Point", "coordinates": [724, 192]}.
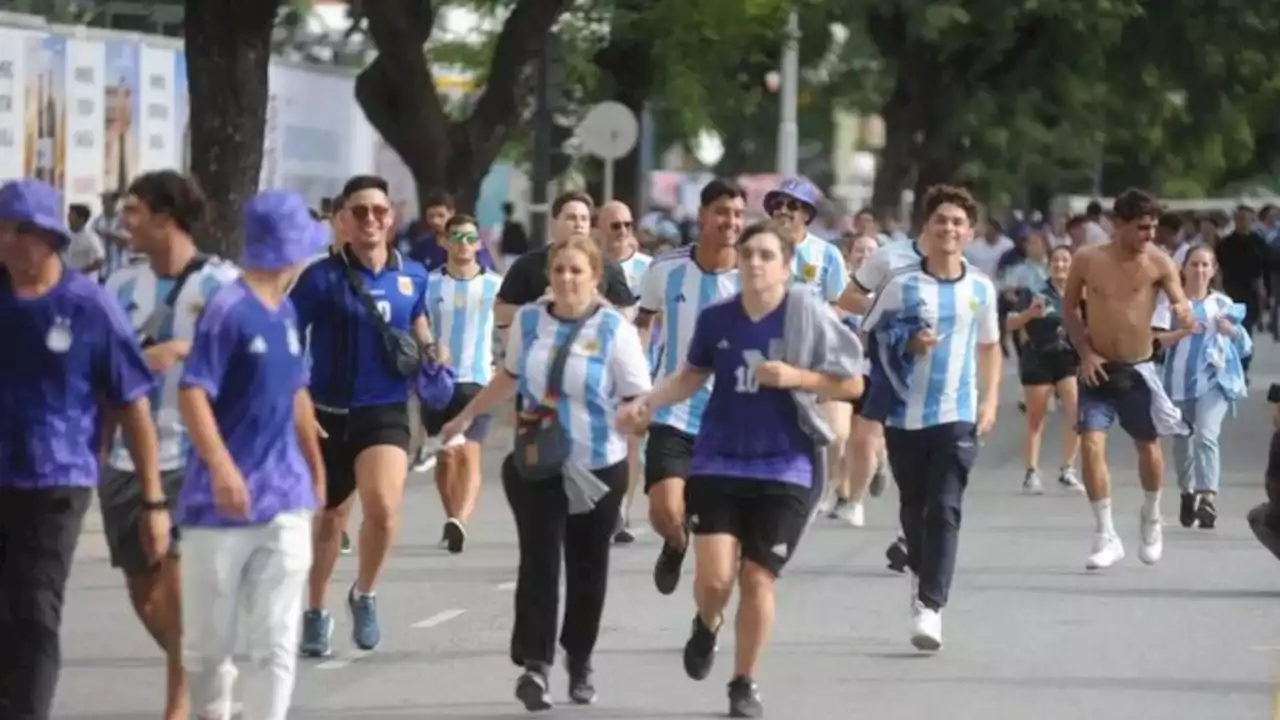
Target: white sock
{"type": "Point", "coordinates": [1102, 514]}
{"type": "Point", "coordinates": [1151, 503]}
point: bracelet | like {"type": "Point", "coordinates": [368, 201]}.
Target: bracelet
{"type": "Point", "coordinates": [155, 505]}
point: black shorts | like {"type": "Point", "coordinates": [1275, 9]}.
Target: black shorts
{"type": "Point", "coordinates": [120, 500]}
{"type": "Point", "coordinates": [352, 433]}
{"type": "Point", "coordinates": [768, 517]}
{"type": "Point", "coordinates": [668, 453]}
{"type": "Point", "coordinates": [1047, 368]}
{"type": "Point", "coordinates": [433, 421]}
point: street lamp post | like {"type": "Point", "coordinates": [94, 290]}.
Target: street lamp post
{"type": "Point", "coordinates": [788, 129]}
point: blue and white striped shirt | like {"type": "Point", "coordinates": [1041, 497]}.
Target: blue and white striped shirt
{"type": "Point", "coordinates": [461, 313]}
{"type": "Point", "coordinates": [1199, 362]}
{"type": "Point", "coordinates": [140, 292]}
{"type": "Point", "coordinates": [634, 268]}
{"type": "Point", "coordinates": [819, 264]}
{"type": "Point", "coordinates": [679, 289]}
{"type": "Point", "coordinates": [606, 364]}
{"type": "Point", "coordinates": [962, 313]}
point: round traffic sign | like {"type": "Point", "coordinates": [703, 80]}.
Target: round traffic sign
{"type": "Point", "coordinates": [609, 131]}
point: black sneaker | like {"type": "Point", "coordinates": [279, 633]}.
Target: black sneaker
{"type": "Point", "coordinates": [455, 535]}
{"type": "Point", "coordinates": [878, 481]}
{"type": "Point", "coordinates": [744, 698]}
{"type": "Point", "coordinates": [1207, 513]}
{"type": "Point", "coordinates": [532, 690]}
{"type": "Point", "coordinates": [622, 534]}
{"type": "Point", "coordinates": [581, 690]}
{"type": "Point", "coordinates": [700, 651]}
{"type": "Point", "coordinates": [1187, 510]}
{"type": "Point", "coordinates": [834, 512]}
{"type": "Point", "coordinates": [666, 572]}
{"type": "Point", "coordinates": [896, 554]}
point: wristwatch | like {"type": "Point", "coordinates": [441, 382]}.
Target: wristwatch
{"type": "Point", "coordinates": [153, 505]}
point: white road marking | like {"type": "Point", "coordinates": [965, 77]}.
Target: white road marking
{"type": "Point", "coordinates": [438, 619]}
{"type": "Point", "coordinates": [342, 661]}
{"type": "Point", "coordinates": [507, 586]}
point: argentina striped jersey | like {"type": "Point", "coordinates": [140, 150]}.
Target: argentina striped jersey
{"type": "Point", "coordinates": [943, 385]}
{"type": "Point", "coordinates": [1196, 363]}
{"type": "Point", "coordinates": [606, 364]}
{"type": "Point", "coordinates": [461, 312]}
{"type": "Point", "coordinates": [140, 292]}
{"type": "Point", "coordinates": [819, 264]}
{"type": "Point", "coordinates": [678, 289]}
{"type": "Point", "coordinates": [634, 268]}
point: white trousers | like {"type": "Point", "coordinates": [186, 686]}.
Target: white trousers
{"type": "Point", "coordinates": [242, 589]}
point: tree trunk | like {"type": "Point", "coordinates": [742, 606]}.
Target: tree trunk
{"type": "Point", "coordinates": [628, 63]}
{"type": "Point", "coordinates": [228, 46]}
{"type": "Point", "coordinates": [397, 93]}
{"type": "Point", "coordinates": [897, 158]}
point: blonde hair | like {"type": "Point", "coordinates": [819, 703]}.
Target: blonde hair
{"type": "Point", "coordinates": [578, 242]}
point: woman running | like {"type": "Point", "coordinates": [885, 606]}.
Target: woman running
{"type": "Point", "coordinates": [1204, 375]}
{"type": "Point", "coordinates": [849, 487]}
{"type": "Point", "coordinates": [569, 515]}
{"type": "Point", "coordinates": [1048, 366]}
{"type": "Point", "coordinates": [756, 471]}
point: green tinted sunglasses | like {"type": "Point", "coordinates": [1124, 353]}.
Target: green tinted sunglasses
{"type": "Point", "coordinates": [464, 237]}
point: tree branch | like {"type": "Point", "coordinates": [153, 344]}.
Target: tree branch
{"type": "Point", "coordinates": [888, 31]}
{"type": "Point", "coordinates": [477, 140]}
{"type": "Point", "coordinates": [976, 64]}
{"type": "Point", "coordinates": [400, 30]}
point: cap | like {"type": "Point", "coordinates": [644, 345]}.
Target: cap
{"type": "Point", "coordinates": [35, 203]}
{"type": "Point", "coordinates": [279, 231]}
{"type": "Point", "coordinates": [797, 189]}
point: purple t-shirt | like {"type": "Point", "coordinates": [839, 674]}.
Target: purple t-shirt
{"type": "Point", "coordinates": [65, 353]}
{"type": "Point", "coordinates": [250, 361]}
{"type": "Point", "coordinates": [748, 431]}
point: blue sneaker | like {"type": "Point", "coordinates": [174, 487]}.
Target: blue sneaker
{"type": "Point", "coordinates": [364, 620]}
{"type": "Point", "coordinates": [317, 628]}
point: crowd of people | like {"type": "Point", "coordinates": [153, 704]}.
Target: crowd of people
{"type": "Point", "coordinates": [747, 383]}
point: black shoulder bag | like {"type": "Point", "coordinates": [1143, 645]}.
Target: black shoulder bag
{"type": "Point", "coordinates": [541, 445]}
{"type": "Point", "coordinates": [151, 326]}
{"type": "Point", "coordinates": [400, 349]}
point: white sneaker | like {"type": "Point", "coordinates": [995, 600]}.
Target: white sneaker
{"type": "Point", "coordinates": [1152, 537]}
{"type": "Point", "coordinates": [854, 513]}
{"type": "Point", "coordinates": [1107, 551]}
{"type": "Point", "coordinates": [926, 633]}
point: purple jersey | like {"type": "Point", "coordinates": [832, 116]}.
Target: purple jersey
{"type": "Point", "coordinates": [250, 361]}
{"type": "Point", "coordinates": [747, 431]}
{"type": "Point", "coordinates": [66, 352]}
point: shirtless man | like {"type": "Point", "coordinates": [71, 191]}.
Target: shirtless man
{"type": "Point", "coordinates": [1120, 282]}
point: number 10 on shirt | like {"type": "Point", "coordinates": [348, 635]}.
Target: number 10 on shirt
{"type": "Point", "coordinates": [745, 374]}
{"type": "Point", "coordinates": [384, 309]}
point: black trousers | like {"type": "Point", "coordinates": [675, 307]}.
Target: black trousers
{"type": "Point", "coordinates": [547, 532]}
{"type": "Point", "coordinates": [39, 530]}
{"type": "Point", "coordinates": [931, 467]}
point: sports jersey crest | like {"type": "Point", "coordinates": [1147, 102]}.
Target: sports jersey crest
{"type": "Point", "coordinates": [405, 285]}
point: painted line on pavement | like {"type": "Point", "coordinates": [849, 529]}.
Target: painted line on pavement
{"type": "Point", "coordinates": [439, 618]}
{"type": "Point", "coordinates": [344, 660]}
{"type": "Point", "coordinates": [506, 586]}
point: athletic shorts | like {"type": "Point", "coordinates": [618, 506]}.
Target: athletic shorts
{"type": "Point", "coordinates": [668, 453]}
{"type": "Point", "coordinates": [463, 393]}
{"type": "Point", "coordinates": [120, 499]}
{"type": "Point", "coordinates": [768, 517]}
{"type": "Point", "coordinates": [1047, 368]}
{"type": "Point", "coordinates": [857, 403]}
{"type": "Point", "coordinates": [1124, 397]}
{"type": "Point", "coordinates": [352, 433]}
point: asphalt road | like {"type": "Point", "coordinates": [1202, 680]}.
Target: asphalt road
{"type": "Point", "coordinates": [1029, 633]}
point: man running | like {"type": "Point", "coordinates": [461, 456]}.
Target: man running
{"type": "Point", "coordinates": [1121, 281]}
{"type": "Point", "coordinates": [944, 398]}
{"type": "Point", "coordinates": [361, 398]}
{"type": "Point", "coordinates": [614, 230]}
{"type": "Point", "coordinates": [162, 297]}
{"type": "Point", "coordinates": [460, 300]}
{"type": "Point", "coordinates": [678, 286]}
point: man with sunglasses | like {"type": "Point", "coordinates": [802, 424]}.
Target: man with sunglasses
{"type": "Point", "coordinates": [361, 399]}
{"type": "Point", "coordinates": [424, 240]}
{"type": "Point", "coordinates": [614, 232]}
{"type": "Point", "coordinates": [460, 300]}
